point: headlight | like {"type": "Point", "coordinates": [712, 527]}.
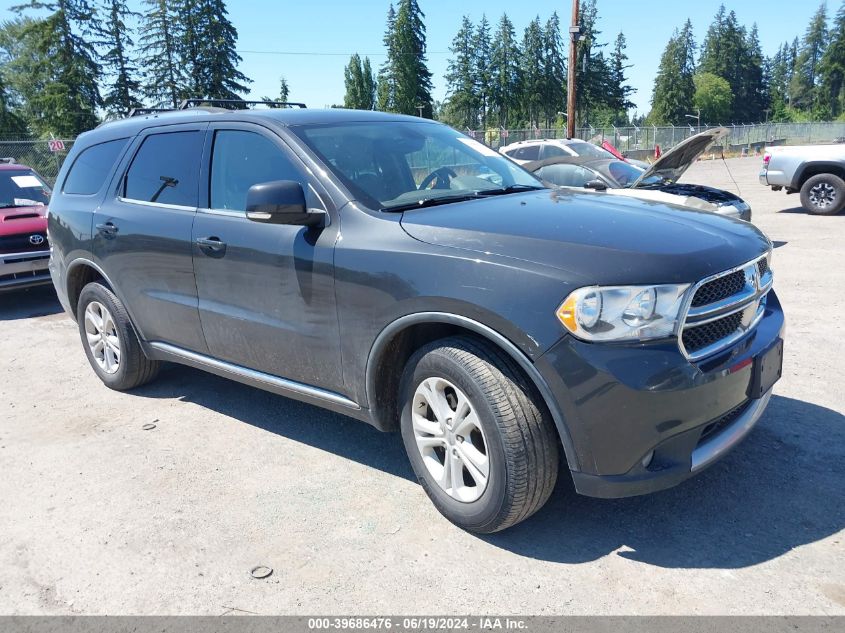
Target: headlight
{"type": "Point", "coordinates": [622, 313]}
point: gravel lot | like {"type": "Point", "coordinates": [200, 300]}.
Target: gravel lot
{"type": "Point", "coordinates": [98, 516]}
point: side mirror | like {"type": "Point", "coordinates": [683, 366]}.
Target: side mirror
{"type": "Point", "coordinates": [596, 184]}
{"type": "Point", "coordinates": [281, 202]}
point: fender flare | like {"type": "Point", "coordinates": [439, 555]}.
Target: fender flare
{"type": "Point", "coordinates": [827, 167]}
{"type": "Point", "coordinates": [494, 337]}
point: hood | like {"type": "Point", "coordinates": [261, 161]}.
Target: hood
{"type": "Point", "coordinates": [17, 220]}
{"type": "Point", "coordinates": [677, 160]}
{"type": "Point", "coordinates": [595, 238]}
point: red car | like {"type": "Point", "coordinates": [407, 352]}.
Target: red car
{"type": "Point", "coordinates": [24, 252]}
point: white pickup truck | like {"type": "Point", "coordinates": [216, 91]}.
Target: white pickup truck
{"type": "Point", "coordinates": [817, 171]}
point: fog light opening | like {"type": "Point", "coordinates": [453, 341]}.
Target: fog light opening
{"type": "Point", "coordinates": [648, 459]}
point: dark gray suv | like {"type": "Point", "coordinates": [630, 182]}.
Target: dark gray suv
{"type": "Point", "coordinates": [394, 270]}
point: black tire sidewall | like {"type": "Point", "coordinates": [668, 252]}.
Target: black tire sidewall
{"type": "Point", "coordinates": [834, 181]}
{"type": "Point", "coordinates": [482, 512]}
{"type": "Point", "coordinates": [125, 333]}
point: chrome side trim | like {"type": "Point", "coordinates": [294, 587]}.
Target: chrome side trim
{"type": "Point", "coordinates": [723, 442]}
{"type": "Point", "coordinates": [156, 205]}
{"type": "Point", "coordinates": [252, 375]}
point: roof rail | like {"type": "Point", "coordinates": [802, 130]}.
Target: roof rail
{"type": "Point", "coordinates": [146, 111]}
{"type": "Point", "coordinates": [8, 161]}
{"type": "Point", "coordinates": [236, 104]}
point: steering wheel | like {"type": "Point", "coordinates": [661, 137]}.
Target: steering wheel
{"type": "Point", "coordinates": [440, 178]}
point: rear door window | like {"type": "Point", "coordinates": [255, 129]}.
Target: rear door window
{"type": "Point", "coordinates": [89, 170]}
{"type": "Point", "coordinates": [166, 169]}
{"type": "Point", "coordinates": [529, 152]}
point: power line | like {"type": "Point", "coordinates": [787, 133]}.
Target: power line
{"type": "Point", "coordinates": [317, 54]}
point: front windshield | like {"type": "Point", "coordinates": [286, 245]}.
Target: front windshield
{"type": "Point", "coordinates": [22, 188]}
{"type": "Point", "coordinates": [625, 174]}
{"type": "Point", "coordinates": [396, 165]}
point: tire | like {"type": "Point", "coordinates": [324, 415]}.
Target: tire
{"type": "Point", "coordinates": [506, 426]}
{"type": "Point", "coordinates": [823, 194]}
{"type": "Point", "coordinates": [114, 339]}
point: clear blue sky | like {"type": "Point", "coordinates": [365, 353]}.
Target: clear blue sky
{"type": "Point", "coordinates": [338, 28]}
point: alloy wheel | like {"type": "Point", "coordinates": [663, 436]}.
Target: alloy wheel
{"type": "Point", "coordinates": [450, 439]}
{"type": "Point", "coordinates": [101, 333]}
{"type": "Point", "coordinates": [822, 195]}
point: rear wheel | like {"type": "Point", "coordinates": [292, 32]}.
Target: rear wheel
{"type": "Point", "coordinates": [823, 194]}
{"type": "Point", "coordinates": [110, 342]}
{"type": "Point", "coordinates": [481, 447]}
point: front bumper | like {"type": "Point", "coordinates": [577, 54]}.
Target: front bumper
{"type": "Point", "coordinates": [22, 270]}
{"type": "Point", "coordinates": [643, 418]}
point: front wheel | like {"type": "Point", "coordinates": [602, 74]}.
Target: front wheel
{"type": "Point", "coordinates": [823, 194]}
{"type": "Point", "coordinates": [481, 446]}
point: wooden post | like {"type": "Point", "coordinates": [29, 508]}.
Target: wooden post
{"type": "Point", "coordinates": [574, 32]}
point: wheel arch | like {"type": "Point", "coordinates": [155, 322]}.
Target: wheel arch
{"type": "Point", "coordinates": [815, 168]}
{"type": "Point", "coordinates": [79, 274]}
{"type": "Point", "coordinates": [398, 341]}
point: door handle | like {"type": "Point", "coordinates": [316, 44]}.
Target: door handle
{"type": "Point", "coordinates": [107, 229]}
{"type": "Point", "coordinates": [212, 246]}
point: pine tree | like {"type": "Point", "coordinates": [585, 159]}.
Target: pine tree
{"type": "Point", "coordinates": [461, 84]}
{"type": "Point", "coordinates": [592, 73]}
{"type": "Point", "coordinates": [369, 90]}
{"type": "Point", "coordinates": [10, 121]}
{"type": "Point", "coordinates": [26, 70]}
{"type": "Point", "coordinates": [804, 92]}
{"type": "Point", "coordinates": [620, 93]}
{"type": "Point", "coordinates": [413, 79]}
{"type": "Point", "coordinates": [160, 43]}
{"type": "Point", "coordinates": [674, 89]}
{"type": "Point", "coordinates": [123, 94]}
{"type": "Point", "coordinates": [779, 79]}
{"type": "Point", "coordinates": [730, 52]}
{"type": "Point", "coordinates": [504, 72]}
{"type": "Point", "coordinates": [386, 83]}
{"type": "Point", "coordinates": [483, 79]}
{"type": "Point", "coordinates": [360, 84]}
{"type": "Point", "coordinates": [68, 103]}
{"type": "Point", "coordinates": [756, 89]}
{"type": "Point", "coordinates": [214, 68]}
{"type": "Point", "coordinates": [532, 73]}
{"type": "Point", "coordinates": [554, 71]}
{"type": "Point", "coordinates": [832, 67]}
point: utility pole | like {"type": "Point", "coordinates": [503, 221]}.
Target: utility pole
{"type": "Point", "coordinates": [574, 33]}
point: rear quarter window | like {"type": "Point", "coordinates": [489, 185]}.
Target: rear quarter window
{"type": "Point", "coordinates": [89, 170]}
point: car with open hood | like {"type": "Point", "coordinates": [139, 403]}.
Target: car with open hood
{"type": "Point", "coordinates": [658, 182]}
{"type": "Point", "coordinates": [24, 252]}
{"type": "Point", "coordinates": [394, 270]}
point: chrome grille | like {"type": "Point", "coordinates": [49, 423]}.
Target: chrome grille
{"type": "Point", "coordinates": [701, 336]}
{"type": "Point", "coordinates": [724, 307]}
{"type": "Point", "coordinates": [719, 289]}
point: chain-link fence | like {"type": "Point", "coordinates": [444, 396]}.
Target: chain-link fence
{"type": "Point", "coordinates": [45, 157]}
{"type": "Point", "coordinates": [644, 139]}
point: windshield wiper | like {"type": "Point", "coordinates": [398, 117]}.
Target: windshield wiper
{"type": "Point", "coordinates": [432, 202]}
{"type": "Point", "coordinates": [509, 189]}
